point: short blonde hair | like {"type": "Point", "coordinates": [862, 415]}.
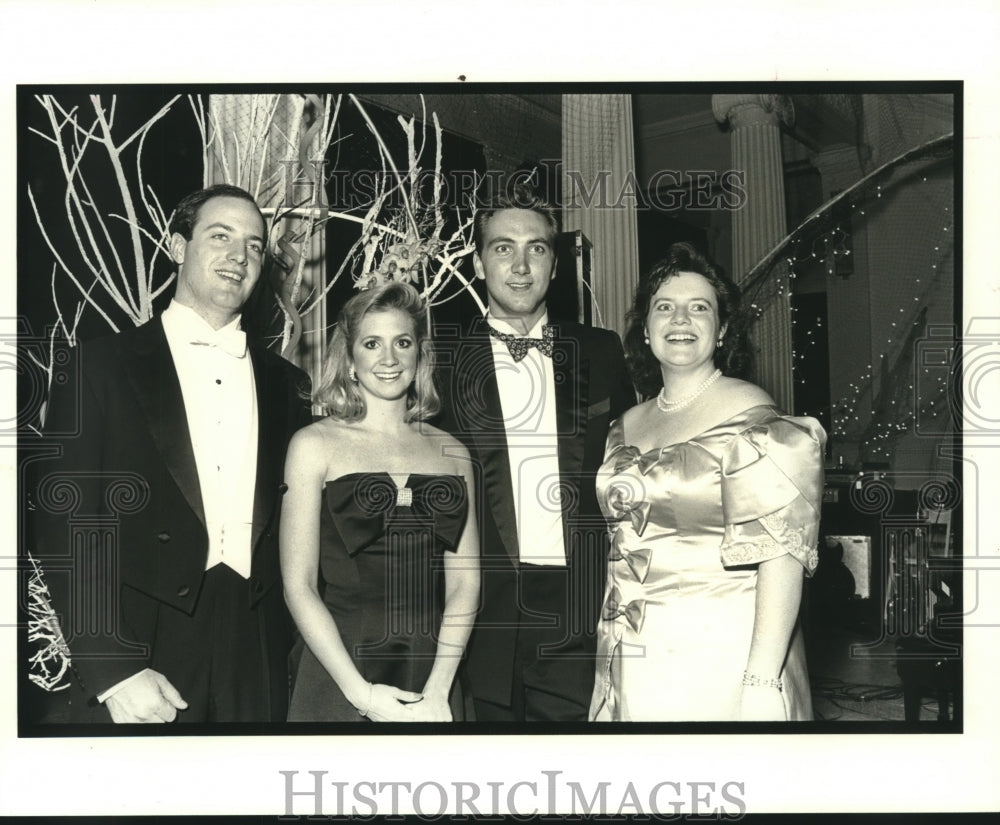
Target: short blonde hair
{"type": "Point", "coordinates": [337, 394]}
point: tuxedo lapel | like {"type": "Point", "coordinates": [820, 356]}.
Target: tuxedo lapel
{"type": "Point", "coordinates": [571, 369]}
{"type": "Point", "coordinates": [480, 414]}
{"type": "Point", "coordinates": [150, 369]}
{"type": "Point", "coordinates": [270, 455]}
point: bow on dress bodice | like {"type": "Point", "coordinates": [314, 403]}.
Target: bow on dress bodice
{"type": "Point", "coordinates": [365, 505]}
{"type": "Point", "coordinates": [625, 505]}
{"type": "Point", "coordinates": [633, 612]}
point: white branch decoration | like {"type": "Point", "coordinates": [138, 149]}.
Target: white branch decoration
{"type": "Point", "coordinates": [407, 244]}
{"type": "Point", "coordinates": [111, 266]}
{"type": "Point", "coordinates": [49, 665]}
{"type": "Point", "coordinates": [401, 237]}
{"type": "Point", "coordinates": [127, 283]}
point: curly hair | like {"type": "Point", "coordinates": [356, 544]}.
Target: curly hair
{"type": "Point", "coordinates": [337, 395]}
{"type": "Point", "coordinates": [732, 356]}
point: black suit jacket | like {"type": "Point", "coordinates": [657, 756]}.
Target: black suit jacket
{"type": "Point", "coordinates": [119, 525]}
{"type": "Point", "coordinates": [592, 389]}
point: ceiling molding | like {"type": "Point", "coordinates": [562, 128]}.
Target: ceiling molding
{"type": "Point", "coordinates": [695, 121]}
{"type": "Point", "coordinates": [823, 121]}
{"type": "Point", "coordinates": [940, 107]}
{"type": "Point", "coordinates": [548, 107]}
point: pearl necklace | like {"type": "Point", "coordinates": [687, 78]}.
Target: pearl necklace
{"type": "Point", "coordinates": [672, 406]}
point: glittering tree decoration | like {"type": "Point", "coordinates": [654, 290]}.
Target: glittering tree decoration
{"type": "Point", "coordinates": [824, 238]}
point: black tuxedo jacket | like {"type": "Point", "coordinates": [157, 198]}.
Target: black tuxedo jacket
{"type": "Point", "coordinates": [592, 388]}
{"type": "Point", "coordinates": [119, 525]}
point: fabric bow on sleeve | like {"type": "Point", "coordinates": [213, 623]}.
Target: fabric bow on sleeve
{"type": "Point", "coordinates": [772, 487]}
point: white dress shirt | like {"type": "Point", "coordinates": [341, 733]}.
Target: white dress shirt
{"type": "Point", "coordinates": [528, 402]}
{"type": "Point", "coordinates": [220, 401]}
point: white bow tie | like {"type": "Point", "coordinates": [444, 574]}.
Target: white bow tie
{"type": "Point", "coordinates": [230, 340]}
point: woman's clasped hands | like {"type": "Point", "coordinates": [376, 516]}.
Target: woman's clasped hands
{"type": "Point", "coordinates": [390, 704]}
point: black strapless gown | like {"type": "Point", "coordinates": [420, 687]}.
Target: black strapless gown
{"type": "Point", "coordinates": [382, 579]}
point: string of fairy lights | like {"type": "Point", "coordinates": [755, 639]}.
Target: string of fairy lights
{"type": "Point", "coordinates": [911, 392]}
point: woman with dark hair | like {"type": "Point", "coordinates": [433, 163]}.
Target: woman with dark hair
{"type": "Point", "coordinates": [379, 551]}
{"type": "Point", "coordinates": [712, 495]}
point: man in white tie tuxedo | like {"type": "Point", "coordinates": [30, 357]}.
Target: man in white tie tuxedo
{"type": "Point", "coordinates": [173, 438]}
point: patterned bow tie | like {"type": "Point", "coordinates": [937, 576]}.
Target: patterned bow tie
{"type": "Point", "coordinates": [519, 347]}
{"type": "Point", "coordinates": [230, 340]}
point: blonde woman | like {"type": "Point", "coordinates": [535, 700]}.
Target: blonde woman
{"type": "Point", "coordinates": [379, 551]}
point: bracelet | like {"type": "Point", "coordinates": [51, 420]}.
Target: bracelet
{"type": "Point", "coordinates": [368, 706]}
{"type": "Point", "coordinates": [753, 680]}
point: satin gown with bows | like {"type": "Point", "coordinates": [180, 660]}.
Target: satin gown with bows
{"type": "Point", "coordinates": [382, 579]}
{"type": "Point", "coordinates": [688, 524]}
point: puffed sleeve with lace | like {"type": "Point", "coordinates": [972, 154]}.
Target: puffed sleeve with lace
{"type": "Point", "coordinates": [772, 487]}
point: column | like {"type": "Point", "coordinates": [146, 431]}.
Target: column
{"type": "Point", "coordinates": [599, 197]}
{"type": "Point", "coordinates": [755, 125]}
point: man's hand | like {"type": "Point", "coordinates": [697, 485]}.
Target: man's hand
{"type": "Point", "coordinates": [149, 697]}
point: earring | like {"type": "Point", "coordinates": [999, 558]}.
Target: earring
{"type": "Point", "coordinates": [352, 374]}
{"type": "Point", "coordinates": [645, 339]}
{"type": "Point", "coordinates": [718, 343]}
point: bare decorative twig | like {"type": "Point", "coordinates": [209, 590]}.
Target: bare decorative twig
{"type": "Point", "coordinates": [401, 237]}
{"type": "Point", "coordinates": [50, 664]}
{"type": "Point", "coordinates": [405, 242]}
{"type": "Point", "coordinates": [128, 285]}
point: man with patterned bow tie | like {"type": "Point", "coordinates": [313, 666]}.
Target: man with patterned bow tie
{"type": "Point", "coordinates": [533, 401]}
{"type": "Point", "coordinates": [172, 440]}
